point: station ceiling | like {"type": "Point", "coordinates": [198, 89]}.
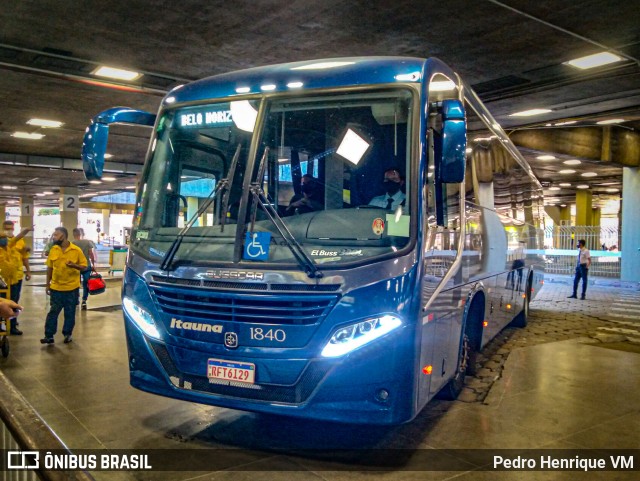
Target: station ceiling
{"type": "Point", "coordinates": [513, 53]}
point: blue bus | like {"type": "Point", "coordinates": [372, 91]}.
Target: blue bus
{"type": "Point", "coordinates": [332, 239]}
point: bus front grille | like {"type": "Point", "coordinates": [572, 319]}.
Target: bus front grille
{"type": "Point", "coordinates": [289, 394]}
{"type": "Point", "coordinates": [213, 305]}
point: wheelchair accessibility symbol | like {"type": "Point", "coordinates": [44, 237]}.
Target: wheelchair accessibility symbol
{"type": "Point", "coordinates": [256, 246]}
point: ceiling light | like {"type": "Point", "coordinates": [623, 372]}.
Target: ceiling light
{"type": "Point", "coordinates": [9, 187]}
{"type": "Point", "coordinates": [53, 124]}
{"type": "Point", "coordinates": [572, 162]}
{"type": "Point", "coordinates": [322, 65]}
{"type": "Point", "coordinates": [563, 205]}
{"type": "Point", "coordinates": [545, 157]}
{"type": "Point", "coordinates": [47, 192]}
{"type": "Point", "coordinates": [109, 179]}
{"type": "Point", "coordinates": [108, 156]}
{"type": "Point", "coordinates": [243, 90]}
{"type": "Point", "coordinates": [554, 188]}
{"type": "Point", "coordinates": [612, 190]}
{"type": "Point", "coordinates": [568, 122]}
{"type": "Point", "coordinates": [39, 194]}
{"type": "Point", "coordinates": [468, 150]}
{"type": "Point", "coordinates": [529, 113]}
{"type": "Point", "coordinates": [567, 171]}
{"type": "Point", "coordinates": [485, 139]}
{"type": "Point", "coordinates": [582, 186]}
{"type": "Point", "coordinates": [564, 184]}
{"type": "Point", "coordinates": [352, 147]}
{"type": "Point", "coordinates": [27, 135]}
{"type": "Point", "coordinates": [95, 182]}
{"type": "Point", "coordinates": [243, 115]}
{"type": "Point", "coordinates": [589, 174]}
{"type": "Point", "coordinates": [130, 187]}
{"type": "Point", "coordinates": [116, 73]}
{"type": "Point", "coordinates": [595, 60]}
{"type": "Point", "coordinates": [611, 121]}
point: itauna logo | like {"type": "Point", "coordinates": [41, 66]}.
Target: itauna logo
{"type": "Point", "coordinates": [195, 326]}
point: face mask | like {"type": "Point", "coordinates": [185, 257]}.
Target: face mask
{"type": "Point", "coordinates": [4, 241]}
{"type": "Point", "coordinates": [391, 187]}
{"type": "Point", "coordinates": [57, 243]}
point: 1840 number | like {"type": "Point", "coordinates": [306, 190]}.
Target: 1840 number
{"type": "Point", "coordinates": [276, 335]}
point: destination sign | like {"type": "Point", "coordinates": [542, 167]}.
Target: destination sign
{"type": "Point", "coordinates": [212, 116]}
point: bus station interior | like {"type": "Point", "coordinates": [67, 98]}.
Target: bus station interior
{"type": "Point", "coordinates": [569, 380]}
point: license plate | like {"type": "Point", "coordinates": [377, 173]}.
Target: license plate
{"type": "Point", "coordinates": [231, 370]}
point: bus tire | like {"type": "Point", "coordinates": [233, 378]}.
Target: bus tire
{"type": "Point", "coordinates": [453, 388]}
{"type": "Point", "coordinates": [522, 319]}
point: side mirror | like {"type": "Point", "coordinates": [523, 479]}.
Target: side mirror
{"type": "Point", "coordinates": [96, 136]}
{"type": "Point", "coordinates": [454, 142]}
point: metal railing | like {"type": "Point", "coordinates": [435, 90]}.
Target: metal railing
{"type": "Point", "coordinates": [24, 430]}
{"type": "Point", "coordinates": [561, 244]}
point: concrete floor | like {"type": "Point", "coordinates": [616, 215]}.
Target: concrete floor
{"type": "Point", "coordinates": [553, 390]}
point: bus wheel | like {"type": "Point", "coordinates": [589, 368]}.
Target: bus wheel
{"type": "Point", "coordinates": [454, 387]}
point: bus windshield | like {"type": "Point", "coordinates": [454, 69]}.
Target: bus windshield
{"type": "Point", "coordinates": [334, 169]}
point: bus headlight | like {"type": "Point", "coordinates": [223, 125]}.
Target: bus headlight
{"type": "Point", "coordinates": [141, 317]}
{"type": "Point", "coordinates": [351, 337]}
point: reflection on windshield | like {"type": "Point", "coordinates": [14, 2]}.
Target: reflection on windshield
{"type": "Point", "coordinates": [336, 171]}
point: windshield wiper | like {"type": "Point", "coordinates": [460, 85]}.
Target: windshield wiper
{"type": "Point", "coordinates": [223, 184]}
{"type": "Point", "coordinates": [259, 197]}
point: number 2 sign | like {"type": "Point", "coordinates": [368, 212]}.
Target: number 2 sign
{"type": "Point", "coordinates": [69, 202]}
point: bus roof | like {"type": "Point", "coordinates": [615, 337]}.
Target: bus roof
{"type": "Point", "coordinates": [311, 74]}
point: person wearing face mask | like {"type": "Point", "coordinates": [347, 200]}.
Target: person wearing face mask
{"type": "Point", "coordinates": [311, 199]}
{"type": "Point", "coordinates": [11, 270]}
{"type": "Point", "coordinates": [393, 196]}
{"type": "Point", "coordinates": [63, 284]}
{"type": "Point", "coordinates": [21, 260]}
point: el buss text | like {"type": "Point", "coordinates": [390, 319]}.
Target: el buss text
{"type": "Point", "coordinates": [547, 462]}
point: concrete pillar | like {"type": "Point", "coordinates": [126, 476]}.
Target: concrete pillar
{"type": "Point", "coordinates": [630, 251]}
{"type": "Point", "coordinates": [69, 205]}
{"type": "Point", "coordinates": [26, 219]}
{"type": "Point", "coordinates": [584, 209]}
{"type": "Point", "coordinates": [106, 214]}
{"type": "Point", "coordinates": [595, 217]}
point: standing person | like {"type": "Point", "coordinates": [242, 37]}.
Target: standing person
{"type": "Point", "coordinates": [63, 284]}
{"type": "Point", "coordinates": [88, 249]}
{"type": "Point", "coordinates": [20, 257]}
{"type": "Point", "coordinates": [582, 269]}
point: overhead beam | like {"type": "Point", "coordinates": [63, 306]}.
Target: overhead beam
{"type": "Point", "coordinates": [608, 144]}
{"type": "Point", "coordinates": [65, 163]}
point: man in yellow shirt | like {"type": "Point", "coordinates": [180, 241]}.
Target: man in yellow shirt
{"type": "Point", "coordinates": [21, 260]}
{"type": "Point", "coordinates": [11, 274]}
{"type": "Point", "coordinates": [64, 262]}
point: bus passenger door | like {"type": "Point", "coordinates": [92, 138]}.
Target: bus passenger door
{"type": "Point", "coordinates": [436, 351]}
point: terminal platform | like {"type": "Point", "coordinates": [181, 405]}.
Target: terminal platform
{"type": "Point", "coordinates": [569, 380]}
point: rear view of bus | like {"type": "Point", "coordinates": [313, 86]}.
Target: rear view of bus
{"type": "Point", "coordinates": [278, 254]}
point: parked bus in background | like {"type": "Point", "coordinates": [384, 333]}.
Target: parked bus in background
{"type": "Point", "coordinates": [345, 312]}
